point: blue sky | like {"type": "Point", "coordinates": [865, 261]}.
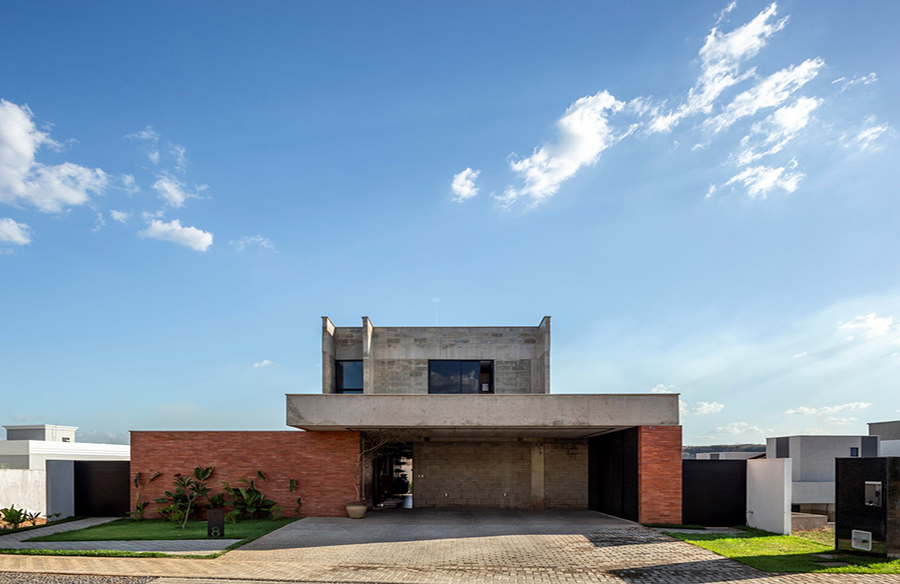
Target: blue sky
{"type": "Point", "coordinates": [700, 194]}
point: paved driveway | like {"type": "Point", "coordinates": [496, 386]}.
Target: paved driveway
{"type": "Point", "coordinates": [437, 547]}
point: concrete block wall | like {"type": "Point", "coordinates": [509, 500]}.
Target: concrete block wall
{"type": "Point", "coordinates": [566, 475]}
{"type": "Point", "coordinates": [323, 464]}
{"type": "Point", "coordinates": [659, 474]}
{"type": "Point", "coordinates": [499, 474]}
{"type": "Point", "coordinates": [472, 474]}
{"type": "Point", "coordinates": [395, 359]}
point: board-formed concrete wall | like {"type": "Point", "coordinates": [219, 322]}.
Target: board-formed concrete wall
{"type": "Point", "coordinates": [26, 489]}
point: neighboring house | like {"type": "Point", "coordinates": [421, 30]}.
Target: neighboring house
{"type": "Point", "coordinates": [729, 455]}
{"type": "Point", "coordinates": [471, 408]}
{"type": "Point", "coordinates": [37, 466]}
{"type": "Point", "coordinates": [813, 464]}
{"type": "Point", "coordinates": [29, 447]}
{"type": "Point", "coordinates": [888, 437]}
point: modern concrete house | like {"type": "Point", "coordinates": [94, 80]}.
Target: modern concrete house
{"type": "Point", "coordinates": [30, 447]}
{"type": "Point", "coordinates": [888, 437]}
{"type": "Point", "coordinates": [813, 466]}
{"type": "Point", "coordinates": [37, 466]}
{"type": "Point", "coordinates": [729, 455]}
{"type": "Point", "coordinates": [469, 408]}
{"type": "Point", "coordinates": [474, 409]}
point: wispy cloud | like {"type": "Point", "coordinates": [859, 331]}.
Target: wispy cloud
{"type": "Point", "coordinates": [252, 241]}
{"type": "Point", "coordinates": [828, 410]}
{"type": "Point", "coordinates": [686, 409]}
{"type": "Point", "coordinates": [761, 180]}
{"type": "Point", "coordinates": [463, 185]}
{"type": "Point", "coordinates": [14, 232]}
{"type": "Point", "coordinates": [49, 188]}
{"type": "Point", "coordinates": [869, 325]}
{"type": "Point", "coordinates": [864, 138]}
{"type": "Point", "coordinates": [120, 216]}
{"type": "Point", "coordinates": [174, 192]}
{"type": "Point", "coordinates": [773, 133]}
{"type": "Point", "coordinates": [263, 363]}
{"type": "Point", "coordinates": [735, 428]}
{"type": "Point", "coordinates": [173, 231]}
{"type": "Point", "coordinates": [584, 133]}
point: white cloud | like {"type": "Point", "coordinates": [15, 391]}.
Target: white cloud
{"type": "Point", "coordinates": [686, 409]}
{"type": "Point", "coordinates": [770, 92]}
{"type": "Point", "coordinates": [147, 133]}
{"type": "Point", "coordinates": [129, 184]}
{"type": "Point", "coordinates": [180, 154]}
{"type": "Point", "coordinates": [173, 191]}
{"type": "Point", "coordinates": [833, 421]}
{"type": "Point", "coordinates": [463, 185]}
{"type": "Point", "coordinates": [50, 188]}
{"type": "Point", "coordinates": [735, 428]}
{"type": "Point", "coordinates": [120, 216]}
{"type": "Point", "coordinates": [14, 232]}
{"type": "Point", "coordinates": [864, 139]}
{"type": "Point", "coordinates": [771, 134]}
{"type": "Point", "coordinates": [798, 355]}
{"type": "Point", "coordinates": [760, 180]}
{"type": "Point", "coordinates": [584, 133]}
{"type": "Point", "coordinates": [869, 324]}
{"type": "Point", "coordinates": [721, 57]}
{"type": "Point", "coordinates": [249, 241]}
{"type": "Point", "coordinates": [856, 80]}
{"type": "Point", "coordinates": [828, 410]}
{"type": "Point", "coordinates": [700, 408]}
{"type": "Point", "coordinates": [263, 363]}
{"type": "Point", "coordinates": [173, 231]}
{"type": "Point", "coordinates": [99, 223]}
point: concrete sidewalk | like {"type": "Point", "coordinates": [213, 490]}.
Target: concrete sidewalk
{"type": "Point", "coordinates": [578, 547]}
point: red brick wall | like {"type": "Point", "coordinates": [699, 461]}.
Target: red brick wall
{"type": "Point", "coordinates": [659, 474]}
{"type": "Point", "coordinates": [323, 463]}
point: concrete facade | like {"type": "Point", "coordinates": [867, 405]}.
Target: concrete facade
{"type": "Point", "coordinates": [30, 447]}
{"type": "Point", "coordinates": [395, 359]}
{"type": "Point", "coordinates": [813, 466]}
{"type": "Point", "coordinates": [888, 437]}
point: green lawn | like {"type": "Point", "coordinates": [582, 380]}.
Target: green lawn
{"type": "Point", "coordinates": [786, 553]}
{"type": "Point", "coordinates": [127, 530]}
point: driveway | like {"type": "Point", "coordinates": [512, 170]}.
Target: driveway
{"type": "Point", "coordinates": [447, 547]}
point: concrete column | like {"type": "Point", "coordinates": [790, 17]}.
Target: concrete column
{"type": "Point", "coordinates": [327, 355]}
{"type": "Point", "coordinates": [537, 475]}
{"type": "Point", "coordinates": [368, 360]}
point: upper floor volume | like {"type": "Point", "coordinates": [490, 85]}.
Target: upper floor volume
{"type": "Point", "coordinates": [435, 360]}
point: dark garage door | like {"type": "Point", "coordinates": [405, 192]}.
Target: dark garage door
{"type": "Point", "coordinates": [714, 492]}
{"type": "Point", "coordinates": [101, 488]}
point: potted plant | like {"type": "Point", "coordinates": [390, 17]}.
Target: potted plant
{"type": "Point", "coordinates": [372, 444]}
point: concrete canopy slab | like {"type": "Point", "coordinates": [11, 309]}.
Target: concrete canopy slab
{"type": "Point", "coordinates": [454, 416]}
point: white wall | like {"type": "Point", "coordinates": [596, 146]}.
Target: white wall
{"type": "Point", "coordinates": [889, 448]}
{"type": "Point", "coordinates": [26, 489]}
{"type": "Point", "coordinates": [769, 494]}
{"type": "Point", "coordinates": [61, 488]}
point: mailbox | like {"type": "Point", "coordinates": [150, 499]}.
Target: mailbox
{"type": "Point", "coordinates": [867, 505]}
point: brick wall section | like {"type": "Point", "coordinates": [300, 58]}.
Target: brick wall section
{"type": "Point", "coordinates": [323, 463]}
{"type": "Point", "coordinates": [659, 474]}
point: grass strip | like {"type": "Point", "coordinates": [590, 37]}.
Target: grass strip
{"type": "Point", "coordinates": [770, 552]}
{"type": "Point", "coordinates": [154, 529]}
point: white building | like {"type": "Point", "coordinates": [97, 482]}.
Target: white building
{"type": "Point", "coordinates": [813, 464]}
{"type": "Point", "coordinates": [30, 447]}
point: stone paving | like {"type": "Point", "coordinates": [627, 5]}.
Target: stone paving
{"type": "Point", "coordinates": [200, 547]}
{"type": "Point", "coordinates": [421, 547]}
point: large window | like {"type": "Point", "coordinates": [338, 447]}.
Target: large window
{"type": "Point", "coordinates": [460, 377]}
{"type": "Point", "coordinates": [348, 377]}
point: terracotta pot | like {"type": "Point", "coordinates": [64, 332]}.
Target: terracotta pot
{"type": "Point", "coordinates": [357, 510]}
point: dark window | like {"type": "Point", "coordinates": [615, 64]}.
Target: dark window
{"type": "Point", "coordinates": [854, 452]}
{"type": "Point", "coordinates": [348, 377]}
{"type": "Point", "coordinates": [460, 377]}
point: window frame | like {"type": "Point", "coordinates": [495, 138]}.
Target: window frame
{"type": "Point", "coordinates": [339, 377]}
{"type": "Point", "coordinates": [482, 363]}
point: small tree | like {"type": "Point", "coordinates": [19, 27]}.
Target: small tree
{"type": "Point", "coordinates": [373, 445]}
